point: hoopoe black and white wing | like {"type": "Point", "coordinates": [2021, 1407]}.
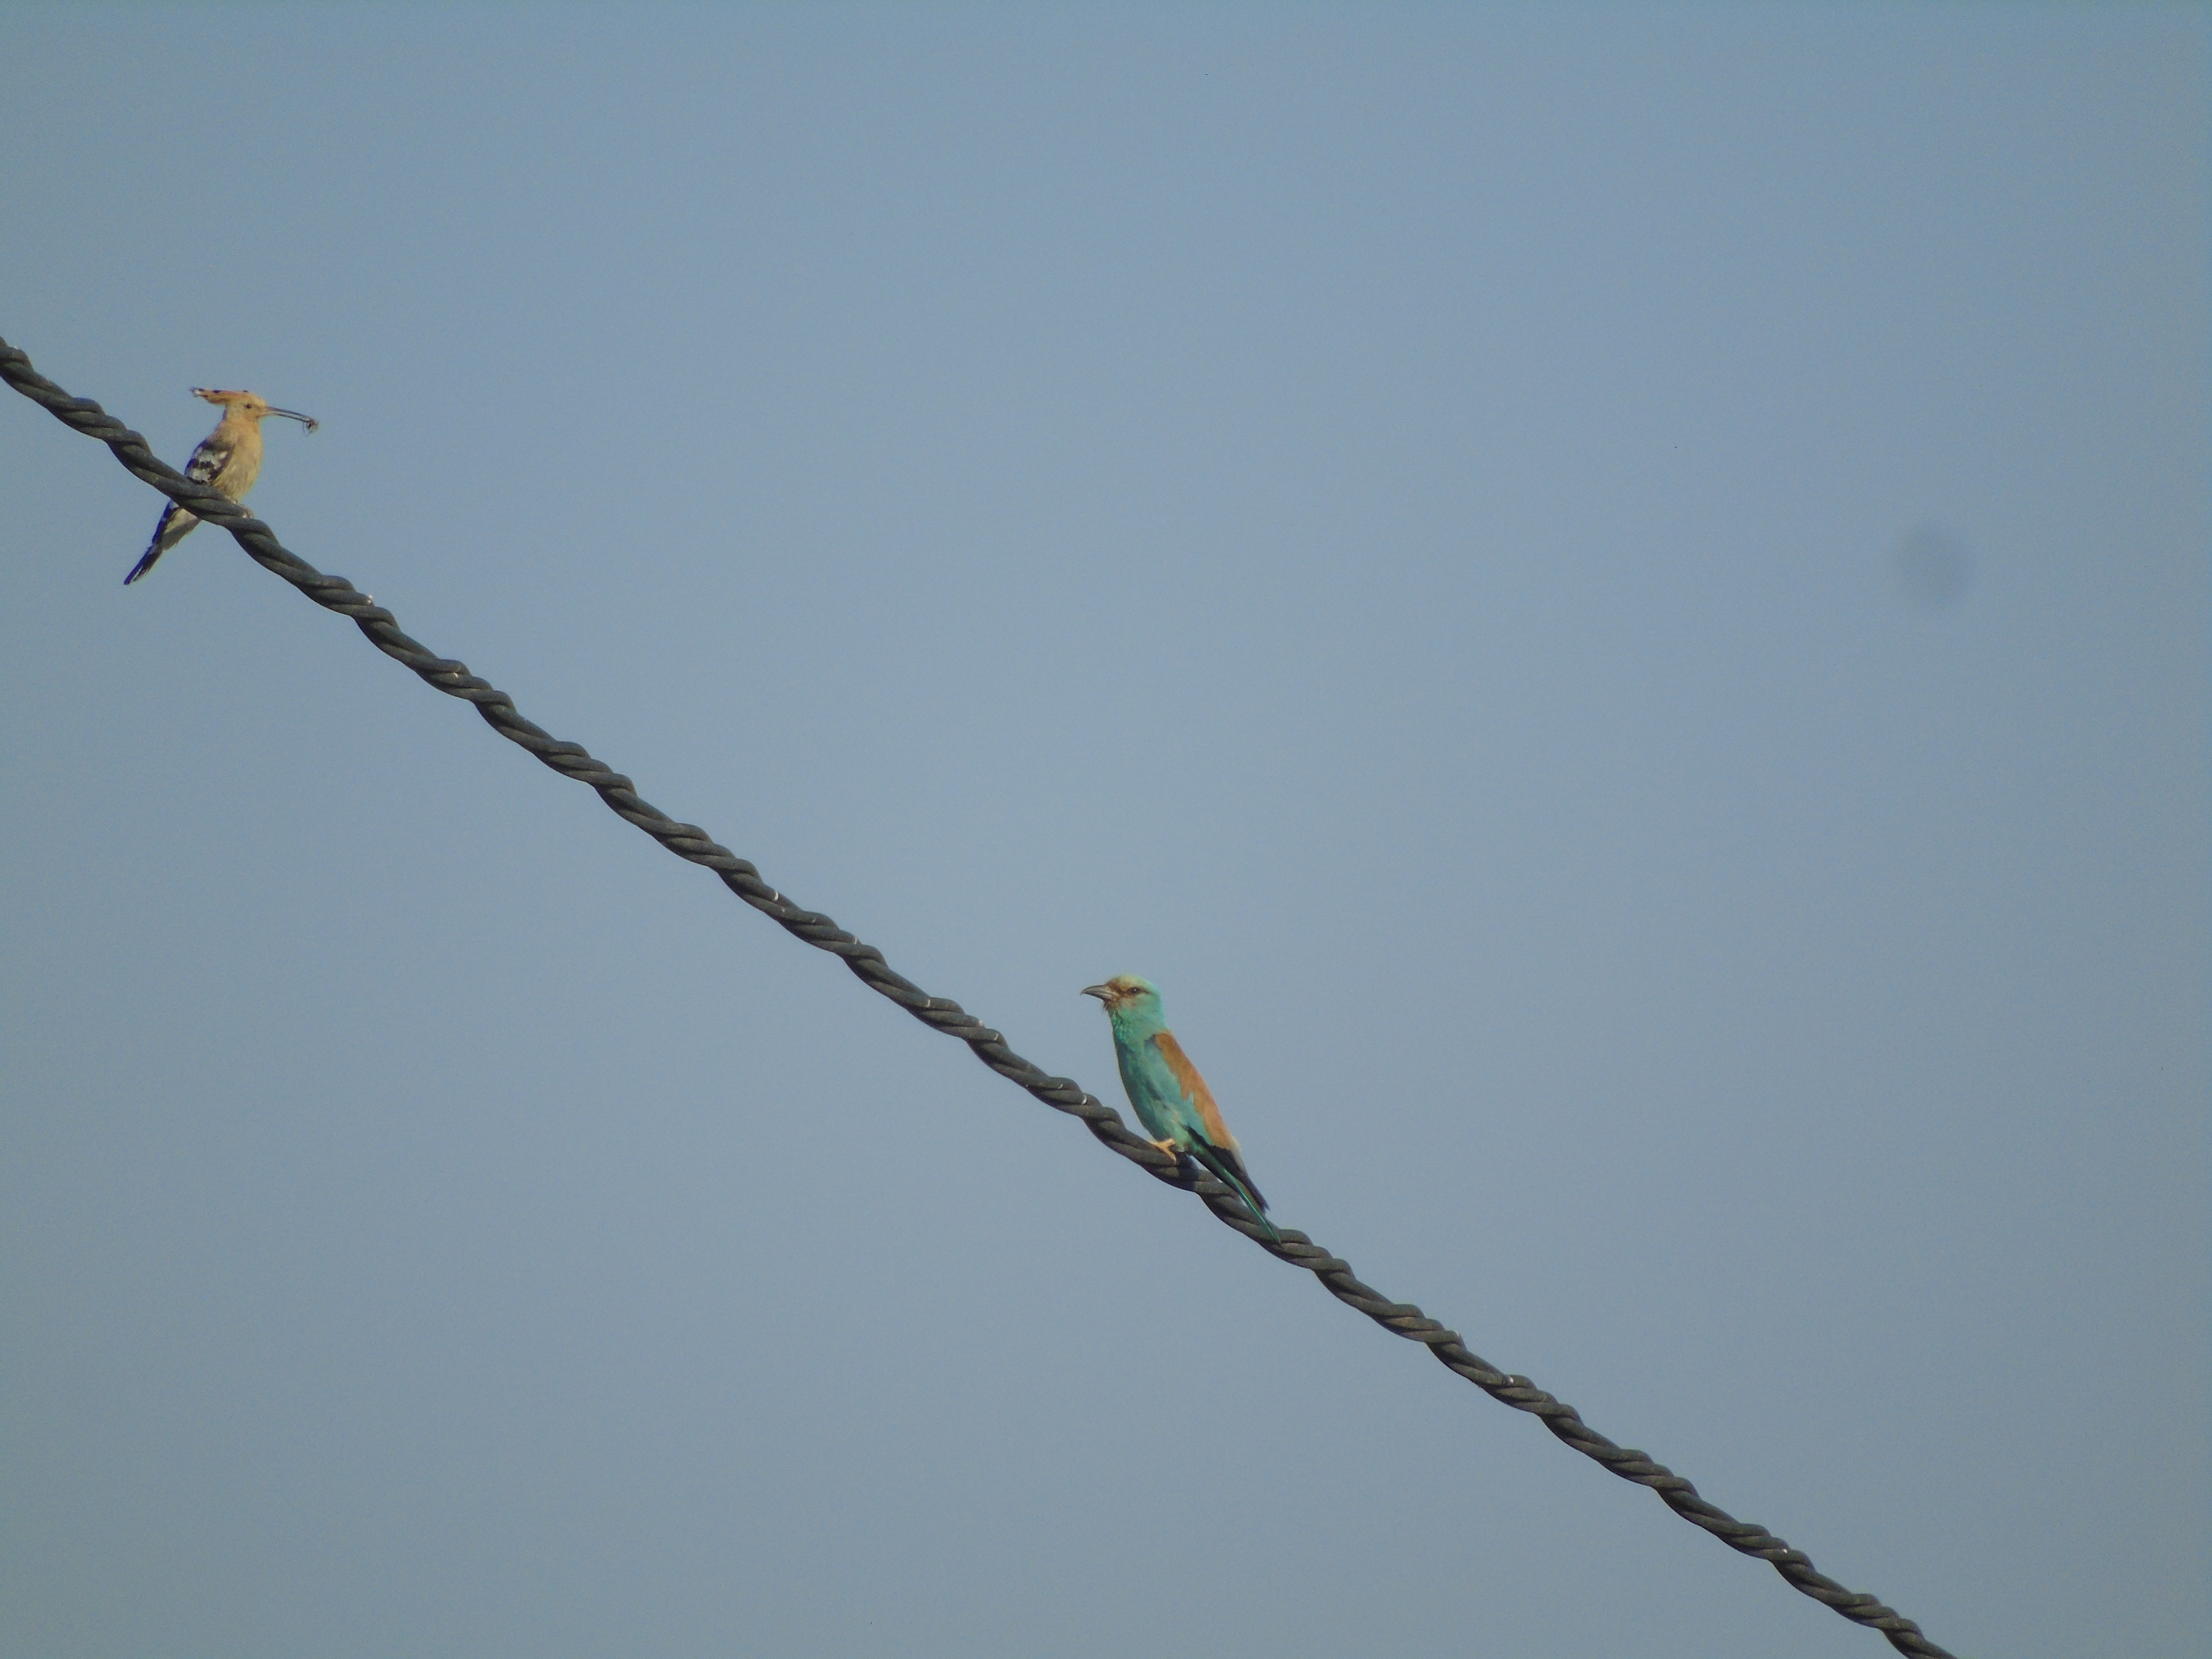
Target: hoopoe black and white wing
{"type": "Point", "coordinates": [208, 460]}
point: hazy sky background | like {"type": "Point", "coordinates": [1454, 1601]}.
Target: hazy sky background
{"type": "Point", "coordinates": [1613, 601]}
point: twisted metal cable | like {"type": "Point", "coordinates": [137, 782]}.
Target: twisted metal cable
{"type": "Point", "coordinates": [940, 1013]}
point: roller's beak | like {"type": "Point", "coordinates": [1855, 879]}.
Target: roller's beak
{"type": "Point", "coordinates": [1103, 992]}
{"type": "Point", "coordinates": [307, 421]}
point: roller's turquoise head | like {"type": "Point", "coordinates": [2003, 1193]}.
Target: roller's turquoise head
{"type": "Point", "coordinates": [1131, 1003]}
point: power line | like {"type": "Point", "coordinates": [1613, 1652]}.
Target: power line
{"type": "Point", "coordinates": [940, 1013]}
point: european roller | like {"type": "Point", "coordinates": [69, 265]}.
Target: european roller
{"type": "Point", "coordinates": [229, 458]}
{"type": "Point", "coordinates": [1171, 1099]}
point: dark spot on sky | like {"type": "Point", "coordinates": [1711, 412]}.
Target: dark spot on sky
{"type": "Point", "coordinates": [1933, 568]}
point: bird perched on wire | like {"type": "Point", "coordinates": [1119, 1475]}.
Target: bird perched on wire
{"type": "Point", "coordinates": [1171, 1099]}
{"type": "Point", "coordinates": [229, 458]}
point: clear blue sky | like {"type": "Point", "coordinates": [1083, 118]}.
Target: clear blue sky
{"type": "Point", "coordinates": [1613, 601]}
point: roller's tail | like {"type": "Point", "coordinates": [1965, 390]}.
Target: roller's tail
{"type": "Point", "coordinates": [1228, 1169]}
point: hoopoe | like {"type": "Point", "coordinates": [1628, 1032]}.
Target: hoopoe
{"type": "Point", "coordinates": [229, 458]}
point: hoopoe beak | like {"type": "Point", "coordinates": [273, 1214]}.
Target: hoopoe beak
{"type": "Point", "coordinates": [307, 421]}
